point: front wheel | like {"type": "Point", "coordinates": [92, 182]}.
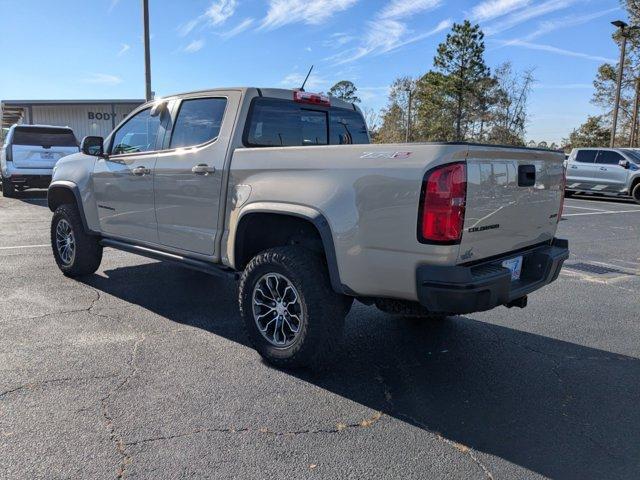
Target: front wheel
{"type": "Point", "coordinates": [75, 252]}
{"type": "Point", "coordinates": [8, 188]}
{"type": "Point", "coordinates": [289, 311]}
{"type": "Point", "coordinates": [635, 193]}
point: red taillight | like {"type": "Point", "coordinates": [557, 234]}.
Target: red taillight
{"type": "Point", "coordinates": [444, 195]}
{"type": "Point", "coordinates": [563, 185]}
{"type": "Point", "coordinates": [311, 98]}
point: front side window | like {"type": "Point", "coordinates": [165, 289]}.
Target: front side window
{"type": "Point", "coordinates": [139, 134]}
{"type": "Point", "coordinates": [199, 121]}
{"type": "Point", "coordinates": [608, 157]}
{"type": "Point", "coordinates": [586, 156]}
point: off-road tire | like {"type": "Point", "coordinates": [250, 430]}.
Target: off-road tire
{"type": "Point", "coordinates": [635, 193]}
{"type": "Point", "coordinates": [88, 251]}
{"type": "Point", "coordinates": [323, 309]}
{"type": "Point", "coordinates": [8, 189]}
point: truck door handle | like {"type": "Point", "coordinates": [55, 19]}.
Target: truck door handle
{"type": "Point", "coordinates": [603, 169]}
{"type": "Point", "coordinates": [574, 167]}
{"type": "Point", "coordinates": [203, 169]}
{"type": "Point", "coordinates": [141, 171]}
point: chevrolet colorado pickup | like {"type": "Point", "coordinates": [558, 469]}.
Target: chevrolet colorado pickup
{"type": "Point", "coordinates": [282, 190]}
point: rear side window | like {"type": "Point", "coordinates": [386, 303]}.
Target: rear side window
{"type": "Point", "coordinates": [608, 157]}
{"type": "Point", "coordinates": [199, 121]}
{"type": "Point", "coordinates": [276, 123]}
{"type": "Point", "coordinates": [44, 137]}
{"type": "Point", "coordinates": [586, 156]}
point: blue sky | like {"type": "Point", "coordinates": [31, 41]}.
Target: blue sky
{"type": "Point", "coordinates": [93, 48]}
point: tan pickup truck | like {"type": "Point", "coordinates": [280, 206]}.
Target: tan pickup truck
{"type": "Point", "coordinates": [282, 190]}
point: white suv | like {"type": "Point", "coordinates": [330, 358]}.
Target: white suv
{"type": "Point", "coordinates": [29, 154]}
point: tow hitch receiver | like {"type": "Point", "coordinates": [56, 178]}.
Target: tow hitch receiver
{"type": "Point", "coordinates": [518, 302]}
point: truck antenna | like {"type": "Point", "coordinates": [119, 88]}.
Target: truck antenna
{"type": "Point", "coordinates": [306, 78]}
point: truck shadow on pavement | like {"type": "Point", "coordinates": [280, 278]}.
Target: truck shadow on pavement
{"type": "Point", "coordinates": [557, 408]}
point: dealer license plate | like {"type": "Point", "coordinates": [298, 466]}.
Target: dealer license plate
{"type": "Point", "coordinates": [515, 266]}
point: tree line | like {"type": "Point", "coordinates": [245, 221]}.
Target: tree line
{"type": "Point", "coordinates": [458, 99]}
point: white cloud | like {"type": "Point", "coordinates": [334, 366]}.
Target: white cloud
{"type": "Point", "coordinates": [368, 94]}
{"type": "Point", "coordinates": [285, 12]}
{"type": "Point", "coordinates": [217, 14]}
{"type": "Point", "coordinates": [404, 8]}
{"type": "Point", "coordinates": [556, 50]}
{"type": "Point", "coordinates": [113, 4]}
{"type": "Point", "coordinates": [220, 11]}
{"type": "Point", "coordinates": [496, 8]}
{"type": "Point", "coordinates": [124, 48]}
{"type": "Point", "coordinates": [194, 46]}
{"type": "Point", "coordinates": [549, 26]}
{"type": "Point", "coordinates": [384, 36]}
{"type": "Point", "coordinates": [315, 82]}
{"type": "Point", "coordinates": [338, 39]}
{"type": "Point", "coordinates": [102, 79]}
{"type": "Point", "coordinates": [238, 29]}
{"type": "Point", "coordinates": [186, 28]}
{"type": "Point", "coordinates": [527, 14]}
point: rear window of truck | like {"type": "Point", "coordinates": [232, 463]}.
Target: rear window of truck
{"type": "Point", "coordinates": [283, 123]}
{"type": "Point", "coordinates": [44, 137]}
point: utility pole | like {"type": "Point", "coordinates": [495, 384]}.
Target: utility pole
{"type": "Point", "coordinates": [634, 121]}
{"type": "Point", "coordinates": [147, 52]}
{"type": "Point", "coordinates": [408, 133]}
{"type": "Point", "coordinates": [614, 125]}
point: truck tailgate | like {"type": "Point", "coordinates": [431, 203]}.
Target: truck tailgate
{"type": "Point", "coordinates": [513, 200]}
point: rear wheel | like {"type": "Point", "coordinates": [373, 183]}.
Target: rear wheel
{"type": "Point", "coordinates": [635, 193]}
{"type": "Point", "coordinates": [568, 194]}
{"type": "Point", "coordinates": [290, 313]}
{"type": "Point", "coordinates": [8, 189]}
{"type": "Point", "coordinates": [75, 252]}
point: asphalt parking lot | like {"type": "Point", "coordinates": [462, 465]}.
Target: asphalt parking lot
{"type": "Point", "coordinates": [141, 371]}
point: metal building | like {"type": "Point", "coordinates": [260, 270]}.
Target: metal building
{"type": "Point", "coordinates": [85, 117]}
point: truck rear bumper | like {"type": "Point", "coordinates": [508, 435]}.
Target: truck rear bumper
{"type": "Point", "coordinates": [483, 286]}
{"type": "Point", "coordinates": [30, 181]}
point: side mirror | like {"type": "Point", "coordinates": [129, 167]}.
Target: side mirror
{"type": "Point", "coordinates": [93, 146]}
{"type": "Point", "coordinates": [624, 163]}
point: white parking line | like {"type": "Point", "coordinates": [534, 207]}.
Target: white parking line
{"type": "Point", "coordinates": [600, 213]}
{"type": "Point", "coordinates": [586, 208]}
{"type": "Point", "coordinates": [25, 246]}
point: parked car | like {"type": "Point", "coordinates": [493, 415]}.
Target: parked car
{"type": "Point", "coordinates": [604, 171]}
{"type": "Point", "coordinates": [282, 190]}
{"type": "Point", "coordinates": [29, 154]}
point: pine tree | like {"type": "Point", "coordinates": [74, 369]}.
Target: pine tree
{"type": "Point", "coordinates": [345, 90]}
{"type": "Point", "coordinates": [460, 60]}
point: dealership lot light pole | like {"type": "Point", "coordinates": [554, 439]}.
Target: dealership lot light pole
{"type": "Point", "coordinates": [624, 31]}
{"type": "Point", "coordinates": [147, 52]}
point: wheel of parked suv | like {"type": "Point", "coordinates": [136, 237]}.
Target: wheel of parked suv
{"type": "Point", "coordinates": [8, 189]}
{"type": "Point", "coordinates": [635, 193]}
{"type": "Point", "coordinates": [290, 313]}
{"type": "Point", "coordinates": [76, 252]}
{"type": "Point", "coordinates": [568, 193]}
